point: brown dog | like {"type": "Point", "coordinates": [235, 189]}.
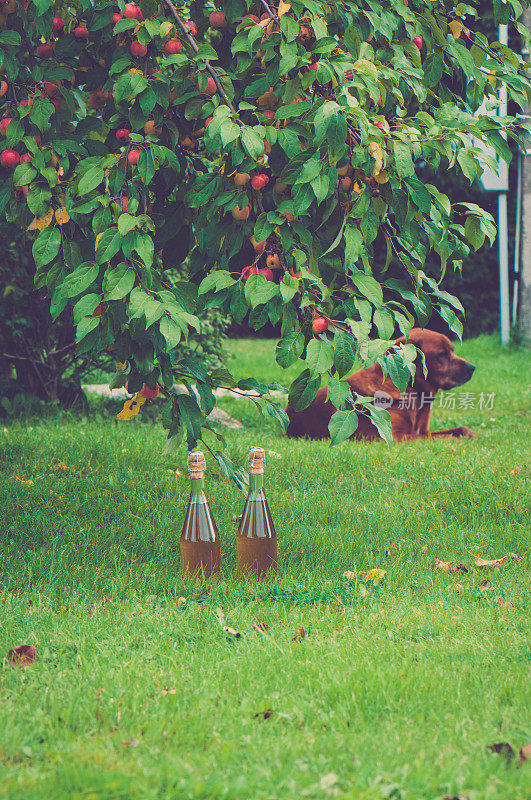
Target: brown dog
{"type": "Point", "coordinates": [410, 414]}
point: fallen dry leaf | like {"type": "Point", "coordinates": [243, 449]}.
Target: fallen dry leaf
{"type": "Point", "coordinates": [486, 588]}
{"type": "Point", "coordinates": [502, 749]}
{"type": "Point", "coordinates": [525, 753]}
{"type": "Point", "coordinates": [22, 655]}
{"type": "Point", "coordinates": [129, 742]}
{"type": "Point", "coordinates": [504, 603]}
{"type": "Point", "coordinates": [169, 691]}
{"type": "Point", "coordinates": [232, 631]}
{"type": "Point", "coordinates": [449, 566]}
{"type": "Point", "coordinates": [483, 562]}
{"type": "Point", "coordinates": [301, 634]}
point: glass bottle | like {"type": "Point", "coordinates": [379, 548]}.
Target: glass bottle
{"type": "Point", "coordinates": [256, 540]}
{"type": "Point", "coordinates": [200, 546]}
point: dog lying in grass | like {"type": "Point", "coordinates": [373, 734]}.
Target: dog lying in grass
{"type": "Point", "coordinates": [410, 413]}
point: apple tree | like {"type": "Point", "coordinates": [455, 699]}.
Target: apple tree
{"type": "Point", "coordinates": [266, 151]}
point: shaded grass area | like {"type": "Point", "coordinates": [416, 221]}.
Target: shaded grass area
{"type": "Point", "coordinates": [393, 693]}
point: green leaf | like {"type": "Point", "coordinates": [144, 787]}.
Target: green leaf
{"type": "Point", "coordinates": [171, 332]}
{"type": "Point", "coordinates": [292, 110]}
{"type": "Point", "coordinates": [119, 285]}
{"type": "Point", "coordinates": [342, 426]}
{"type": "Point", "coordinates": [90, 180]}
{"type": "Point", "coordinates": [79, 280]}
{"type": "Point", "coordinates": [385, 323]}
{"type": "Point", "coordinates": [303, 390]}
{"type": "Point", "coordinates": [289, 349]}
{"type": "Point", "coordinates": [369, 288]}
{"type": "Point", "coordinates": [319, 356]}
{"type": "Point", "coordinates": [258, 290]}
{"type": "Point", "coordinates": [403, 159]}
{"type": "Point", "coordinates": [344, 352]}
{"type": "Point", "coordinates": [85, 306]}
{"type": "Point", "coordinates": [381, 419]}
{"type": "Point", "coordinates": [276, 411]}
{"type": "Point", "coordinates": [46, 246]}
{"type": "Point", "coordinates": [108, 245]}
{"type": "Point", "coordinates": [24, 174]}
{"type": "Point", "coordinates": [338, 392]}
{"type": "Point", "coordinates": [474, 233]}
{"type": "Point", "coordinates": [85, 326]}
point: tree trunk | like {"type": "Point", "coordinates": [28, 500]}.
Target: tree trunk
{"type": "Point", "coordinates": [524, 287]}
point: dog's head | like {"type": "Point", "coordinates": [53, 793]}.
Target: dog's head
{"type": "Point", "coordinates": [445, 369]}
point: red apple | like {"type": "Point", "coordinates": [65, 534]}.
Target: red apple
{"type": "Point", "coordinates": [27, 158]}
{"type": "Point", "coordinates": [172, 47]}
{"type": "Point", "coordinates": [3, 125]}
{"type": "Point", "coordinates": [218, 19]}
{"type": "Point", "coordinates": [57, 24]}
{"type": "Point", "coordinates": [248, 271]}
{"type": "Point", "coordinates": [45, 50]}
{"type": "Point", "coordinates": [116, 17]}
{"type": "Point", "coordinates": [418, 41]}
{"type": "Point", "coordinates": [259, 181]}
{"type": "Point", "coordinates": [346, 183]}
{"type": "Point", "coordinates": [257, 246]}
{"type": "Point", "coordinates": [137, 49]}
{"type": "Point", "coordinates": [250, 20]}
{"type": "Point", "coordinates": [51, 89]}
{"type": "Point", "coordinates": [98, 311]}
{"type": "Point", "coordinates": [3, 88]}
{"type": "Point", "coordinates": [123, 202]}
{"type": "Point", "coordinates": [319, 325]}
{"type": "Point", "coordinates": [9, 158]}
{"type": "Point", "coordinates": [81, 32]}
{"type": "Point", "coordinates": [123, 135]}
{"type": "Point", "coordinates": [241, 213]}
{"type": "Point", "coordinates": [211, 87]}
{"type": "Point", "coordinates": [148, 393]}
{"type": "Point", "coordinates": [287, 215]}
{"type": "Point", "coordinates": [131, 11]}
{"type": "Point", "coordinates": [266, 272]}
{"type": "Point", "coordinates": [133, 157]}
{"type": "Point", "coordinates": [192, 27]}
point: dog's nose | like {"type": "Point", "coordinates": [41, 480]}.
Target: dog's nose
{"type": "Point", "coordinates": [470, 369]}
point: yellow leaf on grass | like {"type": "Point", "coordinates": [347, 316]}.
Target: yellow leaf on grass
{"type": "Point", "coordinates": [62, 215]}
{"type": "Point", "coordinates": [375, 575]}
{"type": "Point", "coordinates": [497, 562]}
{"type": "Point", "coordinates": [42, 222]}
{"type": "Point", "coordinates": [283, 8]}
{"type": "Point", "coordinates": [131, 407]}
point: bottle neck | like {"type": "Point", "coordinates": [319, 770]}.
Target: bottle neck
{"type": "Point", "coordinates": [256, 482]}
{"type": "Point", "coordinates": [197, 485]}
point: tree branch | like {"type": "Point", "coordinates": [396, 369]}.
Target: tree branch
{"type": "Point", "coordinates": [193, 44]}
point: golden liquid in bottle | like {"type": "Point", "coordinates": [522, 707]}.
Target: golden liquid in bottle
{"type": "Point", "coordinates": [200, 545]}
{"type": "Point", "coordinates": [256, 540]}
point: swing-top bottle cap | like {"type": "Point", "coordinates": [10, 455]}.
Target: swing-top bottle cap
{"type": "Point", "coordinates": [196, 464]}
{"type": "Point", "coordinates": [256, 460]}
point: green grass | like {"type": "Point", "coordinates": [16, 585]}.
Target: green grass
{"type": "Point", "coordinates": [393, 694]}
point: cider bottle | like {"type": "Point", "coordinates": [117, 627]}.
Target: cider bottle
{"type": "Point", "coordinates": [256, 540]}
{"type": "Point", "coordinates": [200, 547]}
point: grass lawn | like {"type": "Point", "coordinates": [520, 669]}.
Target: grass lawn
{"type": "Point", "coordinates": [393, 693]}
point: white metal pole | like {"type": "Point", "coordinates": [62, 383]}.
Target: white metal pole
{"type": "Point", "coordinates": [503, 233]}
{"type": "Point", "coordinates": [503, 257]}
{"type": "Point", "coordinates": [517, 237]}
